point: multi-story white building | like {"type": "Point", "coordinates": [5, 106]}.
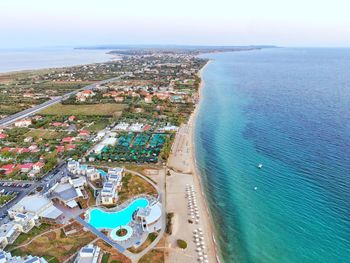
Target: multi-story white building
{"type": "Point", "coordinates": [116, 170]}
{"type": "Point", "coordinates": [8, 234]}
{"type": "Point", "coordinates": [109, 194]}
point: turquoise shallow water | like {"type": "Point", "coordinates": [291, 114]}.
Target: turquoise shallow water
{"type": "Point", "coordinates": [288, 109]}
{"type": "Point", "coordinates": [102, 219]}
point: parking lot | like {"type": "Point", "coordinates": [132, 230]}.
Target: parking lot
{"type": "Point", "coordinates": [23, 188]}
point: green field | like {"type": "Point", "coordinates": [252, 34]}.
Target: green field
{"type": "Point", "coordinates": [44, 134]}
{"type": "Point", "coordinates": [5, 198]}
{"type": "Point", "coordinates": [108, 109]}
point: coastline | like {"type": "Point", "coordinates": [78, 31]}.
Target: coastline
{"type": "Point", "coordinates": [196, 171]}
{"type": "Point", "coordinates": [184, 173]}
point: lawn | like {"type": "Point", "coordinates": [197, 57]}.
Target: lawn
{"type": "Point", "coordinates": [151, 237]}
{"type": "Point", "coordinates": [133, 185]}
{"type": "Point", "coordinates": [25, 237]}
{"type": "Point", "coordinates": [5, 198]}
{"type": "Point", "coordinates": [108, 109]}
{"type": "Point", "coordinates": [44, 134]}
{"type": "Point", "coordinates": [154, 256]}
{"type": "Point", "coordinates": [56, 245]}
{"type": "Point", "coordinates": [110, 254]}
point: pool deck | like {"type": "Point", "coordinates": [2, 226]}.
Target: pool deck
{"type": "Point", "coordinates": [139, 235]}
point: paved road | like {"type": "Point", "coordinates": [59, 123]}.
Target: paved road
{"type": "Point", "coordinates": [23, 114]}
{"type": "Point", "coordinates": [46, 183]}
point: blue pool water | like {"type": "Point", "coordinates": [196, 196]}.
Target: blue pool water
{"type": "Point", "coordinates": [103, 173]}
{"type": "Point", "coordinates": [102, 219]}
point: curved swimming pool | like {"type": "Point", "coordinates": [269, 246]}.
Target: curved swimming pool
{"type": "Point", "coordinates": [101, 219]}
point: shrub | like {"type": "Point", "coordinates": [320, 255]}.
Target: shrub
{"type": "Point", "coordinates": [169, 225]}
{"type": "Point", "coordinates": [181, 243]}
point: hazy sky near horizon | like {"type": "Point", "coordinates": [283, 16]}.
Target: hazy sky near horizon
{"type": "Point", "coordinates": [39, 23]}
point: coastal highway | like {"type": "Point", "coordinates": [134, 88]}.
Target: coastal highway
{"type": "Point", "coordinates": [23, 114]}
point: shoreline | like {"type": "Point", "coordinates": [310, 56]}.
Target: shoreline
{"type": "Point", "coordinates": [184, 173]}
{"type": "Point", "coordinates": [196, 172]}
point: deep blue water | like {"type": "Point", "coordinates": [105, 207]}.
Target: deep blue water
{"type": "Point", "coordinates": [25, 59]}
{"type": "Point", "coordinates": [288, 109]}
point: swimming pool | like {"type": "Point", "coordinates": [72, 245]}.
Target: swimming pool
{"type": "Point", "coordinates": [101, 219]}
{"type": "Point", "coordinates": [102, 173]}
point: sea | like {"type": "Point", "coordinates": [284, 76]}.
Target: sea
{"type": "Point", "coordinates": [51, 57]}
{"type": "Point", "coordinates": [289, 110]}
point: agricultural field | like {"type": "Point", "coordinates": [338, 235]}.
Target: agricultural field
{"type": "Point", "coordinates": [109, 109]}
{"type": "Point", "coordinates": [44, 134]}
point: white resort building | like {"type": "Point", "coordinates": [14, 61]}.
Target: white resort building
{"type": "Point", "coordinates": [149, 216]}
{"type": "Point", "coordinates": [6, 257]}
{"type": "Point", "coordinates": [35, 206]}
{"type": "Point", "coordinates": [89, 254]}
{"type": "Point", "coordinates": [109, 194]}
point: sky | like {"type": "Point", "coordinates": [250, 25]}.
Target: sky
{"type": "Point", "coordinates": [44, 23]}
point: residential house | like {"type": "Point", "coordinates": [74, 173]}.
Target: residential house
{"type": "Point", "coordinates": [23, 123]}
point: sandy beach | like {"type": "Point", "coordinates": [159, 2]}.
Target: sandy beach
{"type": "Point", "coordinates": [185, 198]}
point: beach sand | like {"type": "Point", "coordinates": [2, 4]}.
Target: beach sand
{"type": "Point", "coordinates": [184, 173]}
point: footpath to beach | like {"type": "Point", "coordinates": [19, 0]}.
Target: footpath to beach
{"type": "Point", "coordinates": [184, 175]}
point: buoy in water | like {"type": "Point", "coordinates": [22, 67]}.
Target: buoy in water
{"type": "Point", "coordinates": [260, 165]}
{"type": "Point", "coordinates": [255, 188]}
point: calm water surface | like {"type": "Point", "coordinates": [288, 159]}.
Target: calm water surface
{"type": "Point", "coordinates": [24, 59]}
{"type": "Point", "coordinates": [288, 109]}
